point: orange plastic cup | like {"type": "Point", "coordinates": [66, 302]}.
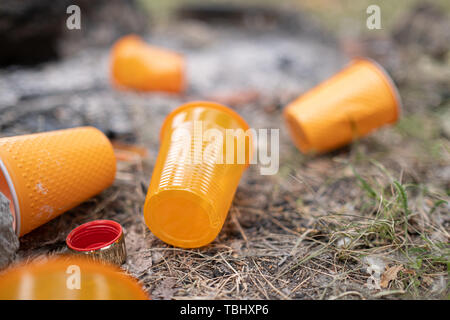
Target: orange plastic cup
{"type": "Point", "coordinates": [351, 104]}
{"type": "Point", "coordinates": [196, 175]}
{"type": "Point", "coordinates": [46, 174]}
{"type": "Point", "coordinates": [68, 278]}
{"type": "Point", "coordinates": [139, 66]}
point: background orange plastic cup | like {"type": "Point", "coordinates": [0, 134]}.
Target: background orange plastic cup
{"type": "Point", "coordinates": [57, 279]}
{"type": "Point", "coordinates": [139, 66]}
{"type": "Point", "coordinates": [349, 105]}
{"type": "Point", "coordinates": [46, 174]}
{"type": "Point", "coordinates": [188, 200]}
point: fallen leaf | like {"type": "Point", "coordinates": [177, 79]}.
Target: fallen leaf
{"type": "Point", "coordinates": [389, 275]}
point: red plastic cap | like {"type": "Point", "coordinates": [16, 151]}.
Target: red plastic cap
{"type": "Point", "coordinates": [94, 235]}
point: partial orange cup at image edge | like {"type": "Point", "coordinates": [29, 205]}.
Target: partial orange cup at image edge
{"type": "Point", "coordinates": [45, 174]}
{"type": "Point", "coordinates": [188, 199]}
{"type": "Point", "coordinates": [68, 278]}
{"type": "Point", "coordinates": [139, 66]}
{"type": "Point", "coordinates": [354, 102]}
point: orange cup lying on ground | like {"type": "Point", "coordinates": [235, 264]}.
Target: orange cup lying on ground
{"type": "Point", "coordinates": [139, 66]}
{"type": "Point", "coordinates": [196, 173]}
{"type": "Point", "coordinates": [46, 174]}
{"type": "Point", "coordinates": [68, 278]}
{"type": "Point", "coordinates": [351, 104]}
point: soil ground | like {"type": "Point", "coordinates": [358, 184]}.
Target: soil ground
{"type": "Point", "coordinates": [322, 225]}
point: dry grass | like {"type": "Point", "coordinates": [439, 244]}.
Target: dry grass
{"type": "Point", "coordinates": [317, 228]}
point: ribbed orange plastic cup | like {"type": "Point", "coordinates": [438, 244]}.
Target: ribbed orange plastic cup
{"type": "Point", "coordinates": [351, 104]}
{"type": "Point", "coordinates": [139, 66]}
{"type": "Point", "coordinates": [68, 278]}
{"type": "Point", "coordinates": [190, 195]}
{"type": "Point", "coordinates": [46, 174]}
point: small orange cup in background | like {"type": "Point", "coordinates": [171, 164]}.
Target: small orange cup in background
{"type": "Point", "coordinates": [46, 174]}
{"type": "Point", "coordinates": [139, 66]}
{"type": "Point", "coordinates": [188, 199]}
{"type": "Point", "coordinates": [351, 104]}
{"type": "Point", "coordinates": [68, 278]}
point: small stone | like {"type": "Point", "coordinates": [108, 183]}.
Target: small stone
{"type": "Point", "coordinates": [9, 242]}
